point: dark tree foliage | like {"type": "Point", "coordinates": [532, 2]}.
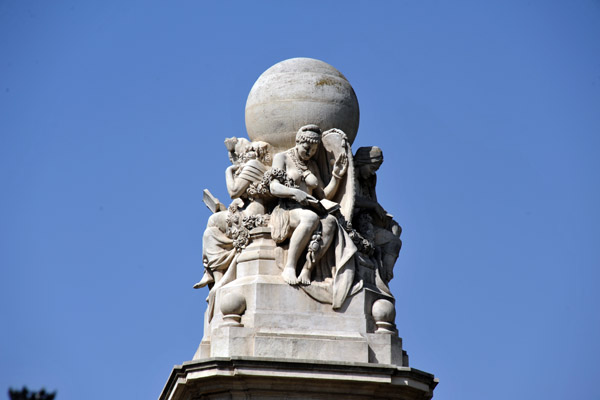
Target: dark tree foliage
{"type": "Point", "coordinates": [25, 394]}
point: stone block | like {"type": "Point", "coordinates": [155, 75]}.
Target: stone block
{"type": "Point", "coordinates": [252, 378]}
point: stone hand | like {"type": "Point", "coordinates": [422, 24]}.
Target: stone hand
{"type": "Point", "coordinates": [341, 165]}
{"type": "Point", "coordinates": [232, 169]}
{"type": "Point", "coordinates": [302, 197]}
{"type": "Point", "coordinates": [236, 203]}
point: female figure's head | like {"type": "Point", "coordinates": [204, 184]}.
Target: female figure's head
{"type": "Point", "coordinates": [262, 151]}
{"type": "Point", "coordinates": [367, 161]}
{"type": "Point", "coordinates": [308, 139]}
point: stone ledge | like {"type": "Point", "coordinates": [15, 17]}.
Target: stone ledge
{"type": "Point", "coordinates": [259, 378]}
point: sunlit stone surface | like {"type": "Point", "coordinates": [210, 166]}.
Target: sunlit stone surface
{"type": "Point", "coordinates": [297, 92]}
{"type": "Point", "coordinates": [298, 265]}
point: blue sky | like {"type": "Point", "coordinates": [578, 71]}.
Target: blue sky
{"type": "Point", "coordinates": [112, 121]}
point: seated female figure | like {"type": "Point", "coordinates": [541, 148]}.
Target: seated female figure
{"type": "Point", "coordinates": [218, 246]}
{"type": "Point", "coordinates": [297, 219]}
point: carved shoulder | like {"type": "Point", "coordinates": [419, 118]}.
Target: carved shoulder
{"type": "Point", "coordinates": [279, 161]}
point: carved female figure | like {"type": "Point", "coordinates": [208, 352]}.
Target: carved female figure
{"type": "Point", "coordinates": [371, 219]}
{"type": "Point", "coordinates": [250, 161]}
{"type": "Point", "coordinates": [300, 215]}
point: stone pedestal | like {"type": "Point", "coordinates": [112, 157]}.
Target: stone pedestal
{"type": "Point", "coordinates": [267, 339]}
{"type": "Point", "coordinates": [256, 378]}
{"type": "Point", "coordinates": [270, 340]}
{"type": "Point", "coordinates": [282, 321]}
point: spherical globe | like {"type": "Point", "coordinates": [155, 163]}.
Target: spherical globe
{"type": "Point", "coordinates": [298, 92]}
{"type": "Point", "coordinates": [383, 311]}
{"type": "Point", "coordinates": [233, 303]}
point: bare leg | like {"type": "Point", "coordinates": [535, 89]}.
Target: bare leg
{"type": "Point", "coordinates": [329, 227]}
{"type": "Point", "coordinates": [304, 277]}
{"type": "Point", "coordinates": [303, 222]}
{"type": "Point", "coordinates": [328, 232]}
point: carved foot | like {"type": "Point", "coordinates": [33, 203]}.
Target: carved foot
{"type": "Point", "coordinates": [304, 277]}
{"type": "Point", "coordinates": [289, 275]}
{"type": "Point", "coordinates": [206, 279]}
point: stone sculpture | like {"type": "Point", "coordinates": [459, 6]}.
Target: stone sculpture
{"type": "Point", "coordinates": [298, 265]}
{"type": "Point", "coordinates": [226, 233]}
{"type": "Point", "coordinates": [379, 233]}
{"type": "Point", "coordinates": [317, 200]}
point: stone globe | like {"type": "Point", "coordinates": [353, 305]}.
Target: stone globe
{"type": "Point", "coordinates": [298, 92]}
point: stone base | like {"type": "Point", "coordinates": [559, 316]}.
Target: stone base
{"type": "Point", "coordinates": [280, 321]}
{"type": "Point", "coordinates": [283, 322]}
{"type": "Point", "coordinates": [257, 378]}
{"type": "Point", "coordinates": [265, 339]}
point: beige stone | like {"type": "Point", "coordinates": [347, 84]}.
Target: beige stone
{"type": "Point", "coordinates": [297, 92]}
{"type": "Point", "coordinates": [257, 379]}
{"type": "Point", "coordinates": [298, 265]}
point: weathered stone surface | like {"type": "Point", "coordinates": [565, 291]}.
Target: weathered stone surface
{"type": "Point", "coordinates": [255, 378]}
{"type": "Point", "coordinates": [283, 321]}
{"type": "Point", "coordinates": [297, 92]}
{"type": "Point", "coordinates": [298, 265]}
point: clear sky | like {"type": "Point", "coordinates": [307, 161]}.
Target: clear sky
{"type": "Point", "coordinates": [112, 121]}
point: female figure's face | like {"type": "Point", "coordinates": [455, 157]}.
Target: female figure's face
{"type": "Point", "coordinates": [306, 150]}
{"type": "Point", "coordinates": [368, 170]}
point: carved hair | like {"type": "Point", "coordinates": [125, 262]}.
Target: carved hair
{"type": "Point", "coordinates": [308, 134]}
{"type": "Point", "coordinates": [263, 152]}
{"type": "Point", "coordinates": [368, 155]}
{"type": "Point", "coordinates": [242, 150]}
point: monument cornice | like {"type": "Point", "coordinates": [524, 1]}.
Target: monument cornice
{"type": "Point", "coordinates": [253, 373]}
